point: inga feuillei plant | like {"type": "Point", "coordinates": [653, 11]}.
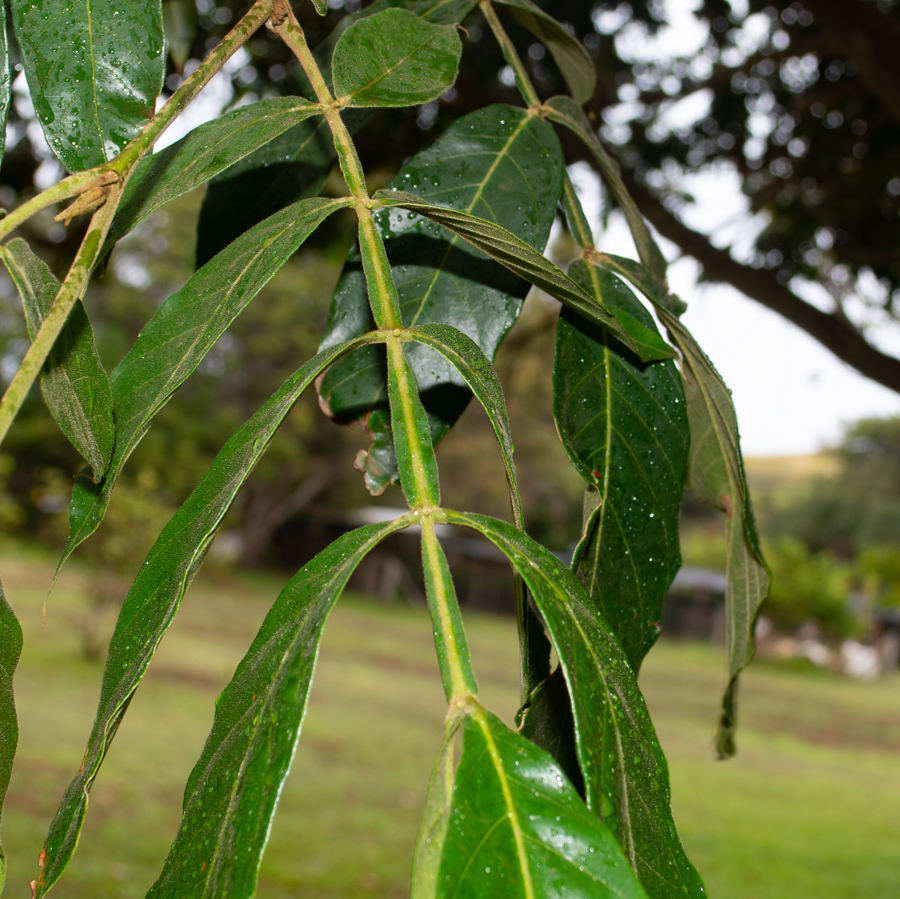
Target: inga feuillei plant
{"type": "Point", "coordinates": [575, 802]}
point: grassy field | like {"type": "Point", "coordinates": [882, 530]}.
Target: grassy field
{"type": "Point", "coordinates": [808, 809]}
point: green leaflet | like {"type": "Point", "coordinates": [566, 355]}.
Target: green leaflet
{"type": "Point", "coordinates": [395, 58]}
{"type": "Point", "coordinates": [466, 358]}
{"type": "Point", "coordinates": [203, 154]}
{"type": "Point", "coordinates": [4, 106]}
{"type": "Point", "coordinates": [94, 69]}
{"type": "Point", "coordinates": [565, 111]}
{"type": "Point", "coordinates": [574, 64]}
{"type": "Point", "coordinates": [513, 826]}
{"type": "Point", "coordinates": [290, 168]}
{"type": "Point", "coordinates": [498, 162]}
{"type": "Point", "coordinates": [74, 382]}
{"type": "Point", "coordinates": [438, 12]}
{"type": "Point", "coordinates": [157, 591]}
{"type": "Point", "coordinates": [180, 334]}
{"type": "Point", "coordinates": [625, 773]}
{"type": "Point", "coordinates": [10, 649]}
{"type": "Point", "coordinates": [510, 251]}
{"type": "Point", "coordinates": [412, 435]}
{"type": "Point", "coordinates": [716, 477]}
{"type": "Point", "coordinates": [625, 428]}
{"type": "Point", "coordinates": [232, 792]}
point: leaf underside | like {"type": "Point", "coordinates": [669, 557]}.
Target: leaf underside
{"type": "Point", "coordinates": [73, 381]}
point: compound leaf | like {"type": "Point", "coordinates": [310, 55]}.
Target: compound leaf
{"type": "Point", "coordinates": [157, 591]}
{"type": "Point", "coordinates": [232, 792]}
{"type": "Point", "coordinates": [94, 69]}
{"type": "Point", "coordinates": [625, 772]}
{"type": "Point", "coordinates": [625, 428]}
{"type": "Point", "coordinates": [74, 382]}
{"type": "Point", "coordinates": [395, 58]}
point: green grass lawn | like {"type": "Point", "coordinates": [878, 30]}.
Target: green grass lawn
{"type": "Point", "coordinates": [809, 808]}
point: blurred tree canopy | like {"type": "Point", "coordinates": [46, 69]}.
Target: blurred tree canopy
{"type": "Point", "coordinates": [798, 102]}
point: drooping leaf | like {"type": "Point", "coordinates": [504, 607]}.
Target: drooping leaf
{"type": "Point", "coordinates": [488, 163]}
{"type": "Point", "coordinates": [625, 772]}
{"type": "Point", "coordinates": [565, 111]}
{"type": "Point", "coordinates": [509, 250]}
{"type": "Point", "coordinates": [412, 435]}
{"type": "Point", "coordinates": [180, 334]}
{"type": "Point", "coordinates": [204, 153]}
{"type": "Point", "coordinates": [290, 168]}
{"type": "Point", "coordinates": [716, 477]}
{"type": "Point", "coordinates": [625, 428]}
{"type": "Point", "coordinates": [74, 382]}
{"type": "Point", "coordinates": [157, 591]}
{"type": "Point", "coordinates": [94, 69]}
{"type": "Point", "coordinates": [516, 827]}
{"type": "Point", "coordinates": [466, 357]}
{"type": "Point", "coordinates": [4, 97]}
{"type": "Point", "coordinates": [574, 64]}
{"type": "Point", "coordinates": [10, 650]}
{"type": "Point", "coordinates": [395, 58]}
{"type": "Point", "coordinates": [232, 792]}
{"type": "Point", "coordinates": [638, 274]}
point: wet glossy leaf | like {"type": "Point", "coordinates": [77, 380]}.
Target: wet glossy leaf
{"type": "Point", "coordinates": [625, 773]}
{"type": "Point", "coordinates": [516, 827]}
{"type": "Point", "coordinates": [181, 333]}
{"type": "Point", "coordinates": [232, 792]}
{"type": "Point", "coordinates": [498, 162]}
{"type": "Point", "coordinates": [510, 251]}
{"type": "Point", "coordinates": [10, 649]}
{"type": "Point", "coordinates": [434, 825]}
{"type": "Point", "coordinates": [625, 428]}
{"type": "Point", "coordinates": [395, 58]}
{"type": "Point", "coordinates": [204, 153]}
{"type": "Point", "coordinates": [94, 69]}
{"type": "Point", "coordinates": [570, 114]}
{"type": "Point", "coordinates": [4, 98]}
{"type": "Point", "coordinates": [716, 477]}
{"type": "Point", "coordinates": [157, 591]}
{"type": "Point", "coordinates": [574, 64]}
{"type": "Point", "coordinates": [412, 435]}
{"type": "Point", "coordinates": [290, 168]}
{"type": "Point", "coordinates": [74, 382]}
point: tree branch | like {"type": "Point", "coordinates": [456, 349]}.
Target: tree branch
{"type": "Point", "coordinates": [831, 330]}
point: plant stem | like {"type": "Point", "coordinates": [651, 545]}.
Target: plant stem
{"type": "Point", "coordinates": [73, 288]}
{"type": "Point", "coordinates": [383, 294]}
{"type": "Point", "coordinates": [510, 54]}
{"type": "Point", "coordinates": [449, 637]}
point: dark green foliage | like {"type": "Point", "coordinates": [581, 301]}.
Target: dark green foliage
{"type": "Point", "coordinates": [576, 802]}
